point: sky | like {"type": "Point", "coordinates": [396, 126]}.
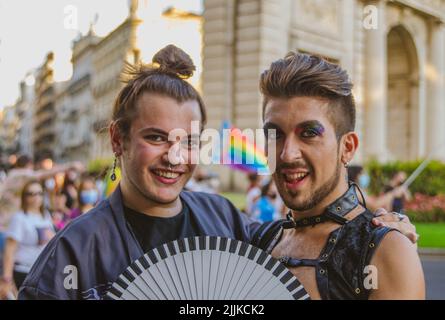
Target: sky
{"type": "Point", "coordinates": [29, 29]}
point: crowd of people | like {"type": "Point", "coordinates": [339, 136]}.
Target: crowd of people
{"type": "Point", "coordinates": [36, 201]}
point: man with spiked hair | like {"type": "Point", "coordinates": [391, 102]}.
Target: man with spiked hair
{"type": "Point", "coordinates": [328, 240]}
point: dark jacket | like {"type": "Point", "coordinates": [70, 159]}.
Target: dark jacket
{"type": "Point", "coordinates": [85, 258]}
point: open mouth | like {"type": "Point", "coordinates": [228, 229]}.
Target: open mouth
{"type": "Point", "coordinates": [294, 180]}
{"type": "Point", "coordinates": [166, 176]}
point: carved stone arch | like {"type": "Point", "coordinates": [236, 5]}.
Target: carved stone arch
{"type": "Point", "coordinates": [403, 92]}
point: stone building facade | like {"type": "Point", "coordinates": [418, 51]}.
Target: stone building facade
{"type": "Point", "coordinates": [135, 41]}
{"type": "Point", "coordinates": [24, 109]}
{"type": "Point", "coordinates": [394, 52]}
{"type": "Point", "coordinates": [8, 134]}
{"type": "Point", "coordinates": [75, 139]}
{"type": "Point", "coordinates": [45, 113]}
{"type": "Point", "coordinates": [109, 57]}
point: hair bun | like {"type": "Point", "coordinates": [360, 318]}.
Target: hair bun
{"type": "Point", "coordinates": [173, 60]}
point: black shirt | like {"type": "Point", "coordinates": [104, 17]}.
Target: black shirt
{"type": "Point", "coordinates": [99, 263]}
{"type": "Point", "coordinates": [152, 232]}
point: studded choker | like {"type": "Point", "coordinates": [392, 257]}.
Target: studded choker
{"type": "Point", "coordinates": [334, 212]}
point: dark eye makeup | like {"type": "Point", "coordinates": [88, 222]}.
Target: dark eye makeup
{"type": "Point", "coordinates": [310, 129]}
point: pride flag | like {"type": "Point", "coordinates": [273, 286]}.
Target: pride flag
{"type": "Point", "coordinates": [240, 153]}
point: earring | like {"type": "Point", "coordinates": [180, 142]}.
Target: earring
{"type": "Point", "coordinates": [346, 164]}
{"type": "Point", "coordinates": [113, 171]}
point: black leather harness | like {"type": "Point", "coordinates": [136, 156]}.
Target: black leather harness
{"type": "Point", "coordinates": [348, 249]}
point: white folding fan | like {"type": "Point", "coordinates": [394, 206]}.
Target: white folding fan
{"type": "Point", "coordinates": [207, 268]}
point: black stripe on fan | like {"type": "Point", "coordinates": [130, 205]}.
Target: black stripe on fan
{"type": "Point", "coordinates": [287, 276]}
{"type": "Point", "coordinates": [121, 283]}
{"type": "Point", "coordinates": [162, 252]}
{"type": "Point", "coordinates": [270, 263]}
{"type": "Point", "coordinates": [202, 243]}
{"type": "Point", "coordinates": [243, 249]}
{"type": "Point", "coordinates": [233, 245]}
{"type": "Point", "coordinates": [213, 243]}
{"type": "Point", "coordinates": [300, 294]}
{"type": "Point", "coordinates": [252, 253]}
{"type": "Point", "coordinates": [278, 270]}
{"type": "Point", "coordinates": [152, 256]}
{"type": "Point", "coordinates": [262, 257]}
{"type": "Point", "coordinates": [116, 292]}
{"type": "Point", "coordinates": [171, 248]}
{"type": "Point", "coordinates": [223, 244]}
{"type": "Point", "coordinates": [192, 245]}
{"type": "Point", "coordinates": [181, 245]}
{"type": "Point", "coordinates": [128, 275]}
{"type": "Point", "coordinates": [144, 262]}
{"type": "Point", "coordinates": [293, 285]}
{"type": "Point", "coordinates": [136, 269]}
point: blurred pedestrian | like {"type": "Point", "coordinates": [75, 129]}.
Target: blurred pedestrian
{"type": "Point", "coordinates": [60, 212]}
{"type": "Point", "coordinates": [29, 231]}
{"type": "Point", "coordinates": [398, 202]}
{"type": "Point", "coordinates": [253, 192]}
{"type": "Point", "coordinates": [358, 175]}
{"type": "Point", "coordinates": [266, 209]}
{"type": "Point", "coordinates": [69, 188]}
{"type": "Point", "coordinates": [45, 162]}
{"type": "Point", "coordinates": [88, 196]}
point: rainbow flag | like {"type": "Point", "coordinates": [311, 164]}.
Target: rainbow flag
{"type": "Point", "coordinates": [240, 153]}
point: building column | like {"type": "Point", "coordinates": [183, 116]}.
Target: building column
{"type": "Point", "coordinates": [219, 45]}
{"type": "Point", "coordinates": [240, 42]}
{"type": "Point", "coordinates": [375, 85]}
{"type": "Point", "coordinates": [436, 104]}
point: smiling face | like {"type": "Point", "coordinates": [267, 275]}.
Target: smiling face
{"type": "Point", "coordinates": [309, 158]}
{"type": "Point", "coordinates": [145, 153]}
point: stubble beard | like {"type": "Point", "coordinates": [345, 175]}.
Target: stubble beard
{"type": "Point", "coordinates": [318, 195]}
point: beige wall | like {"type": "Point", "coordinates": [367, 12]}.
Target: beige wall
{"type": "Point", "coordinates": [395, 119]}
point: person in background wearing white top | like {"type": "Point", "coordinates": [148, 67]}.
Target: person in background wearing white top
{"type": "Point", "coordinates": [29, 231]}
{"type": "Point", "coordinates": [25, 171]}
